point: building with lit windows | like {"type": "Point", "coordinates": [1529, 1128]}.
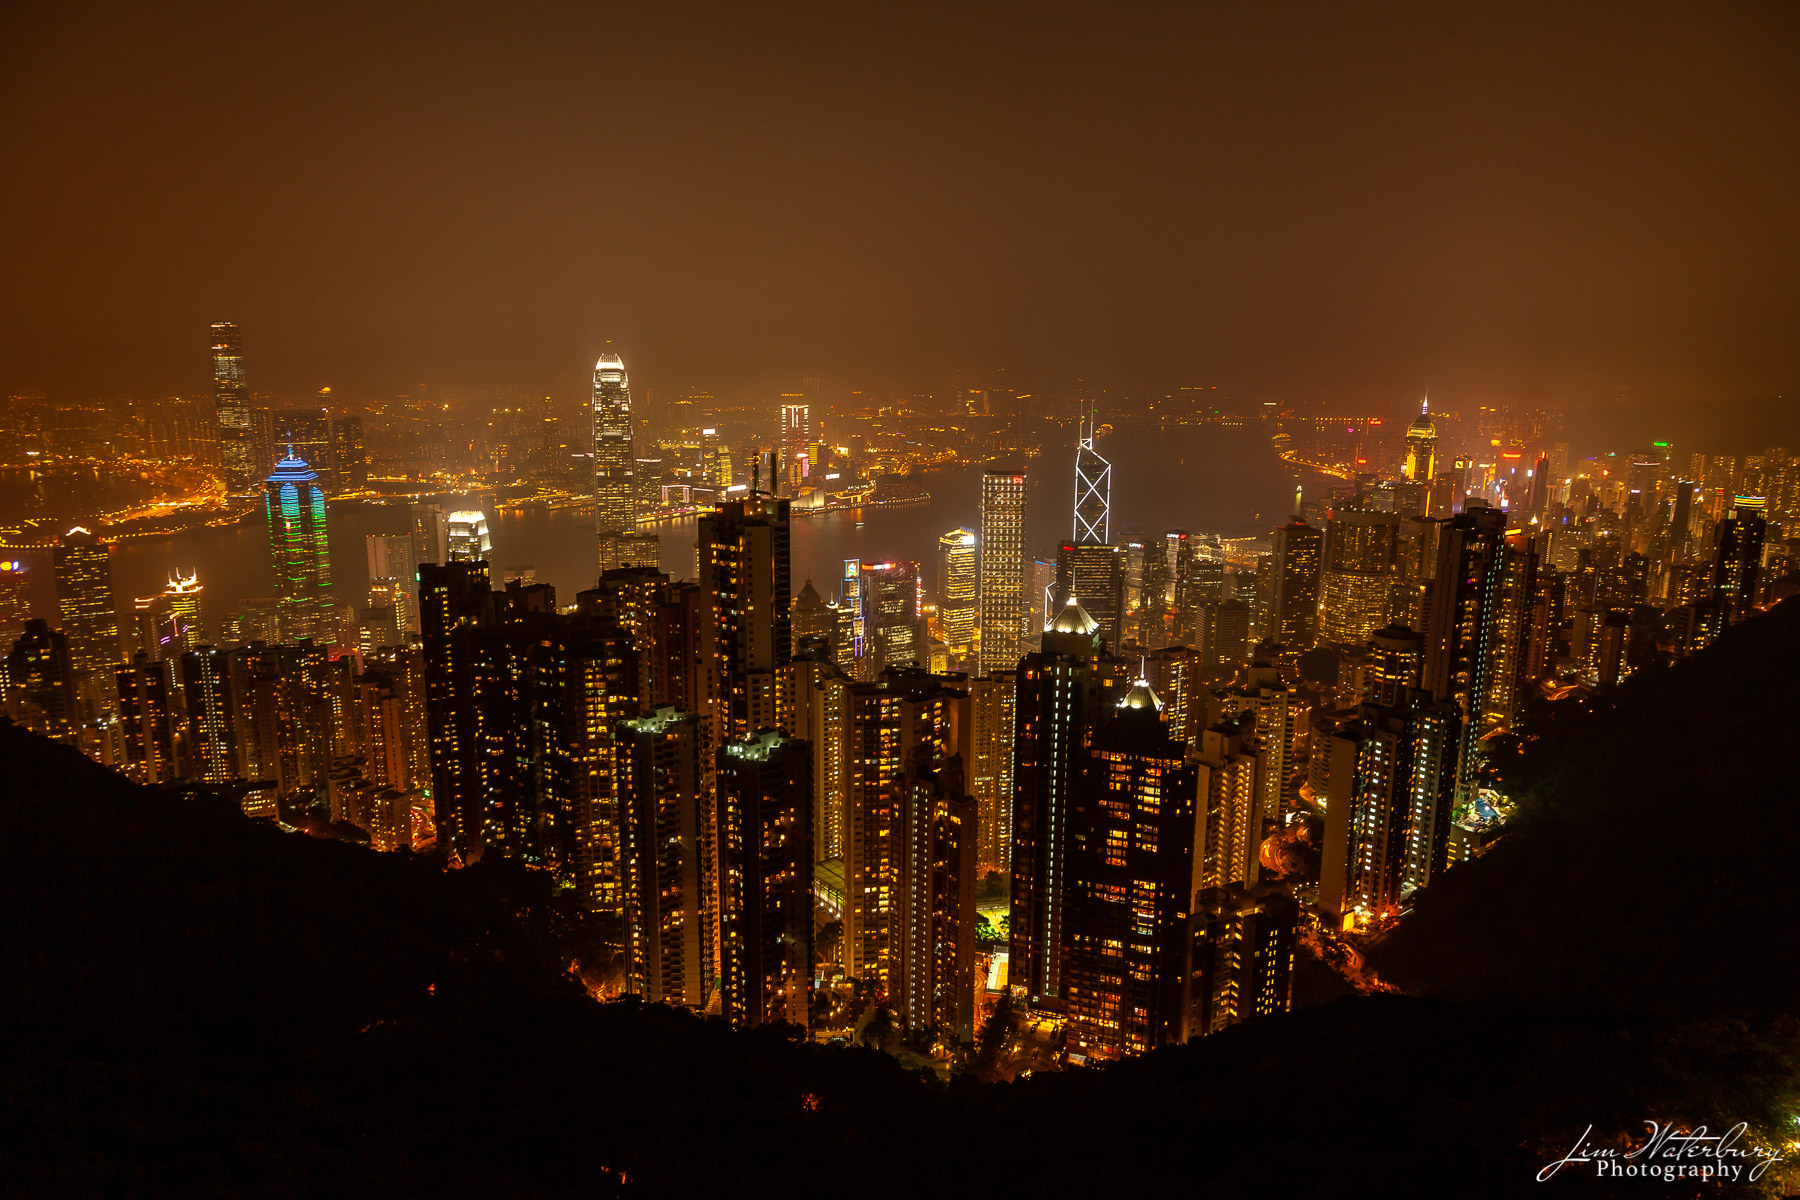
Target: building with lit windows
{"type": "Point", "coordinates": [993, 701]}
{"type": "Point", "coordinates": [762, 836]}
{"type": "Point", "coordinates": [1360, 567]}
{"type": "Point", "coordinates": [1243, 957]}
{"type": "Point", "coordinates": [743, 552]}
{"type": "Point", "coordinates": [1133, 875]}
{"type": "Point", "coordinates": [933, 939]}
{"type": "Point", "coordinates": [1478, 627]}
{"type": "Point", "coordinates": [466, 537]}
{"type": "Point", "coordinates": [615, 460]}
{"type": "Point", "coordinates": [1004, 603]}
{"type": "Point", "coordinates": [1421, 447]}
{"type": "Point", "coordinates": [1388, 813]}
{"type": "Point", "coordinates": [169, 622]}
{"type": "Point", "coordinates": [240, 453]}
{"type": "Point", "coordinates": [1063, 690]}
{"type": "Point", "coordinates": [670, 914]}
{"type": "Point", "coordinates": [1737, 557]}
{"type": "Point", "coordinates": [812, 704]}
{"type": "Point", "coordinates": [899, 726]}
{"type": "Point", "coordinates": [294, 505]}
{"type": "Point", "coordinates": [959, 590]}
{"type": "Point", "coordinates": [84, 601]}
{"type": "Point", "coordinates": [1294, 600]}
{"type": "Point", "coordinates": [211, 748]}
{"type": "Point", "coordinates": [143, 695]}
{"type": "Point", "coordinates": [1095, 574]}
{"type": "Point", "coordinates": [796, 443]}
{"type": "Point", "coordinates": [893, 617]}
{"type": "Point", "coordinates": [1230, 789]}
{"type": "Point", "coordinates": [15, 598]}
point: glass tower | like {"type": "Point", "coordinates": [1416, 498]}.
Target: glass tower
{"type": "Point", "coordinates": [1093, 493]}
{"type": "Point", "coordinates": [295, 506]}
{"type": "Point", "coordinates": [615, 501]}
{"type": "Point", "coordinates": [231, 406]}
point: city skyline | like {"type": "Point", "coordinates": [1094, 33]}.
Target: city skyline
{"type": "Point", "coordinates": [658, 603]}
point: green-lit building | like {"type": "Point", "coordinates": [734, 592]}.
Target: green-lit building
{"type": "Point", "coordinates": [295, 505]}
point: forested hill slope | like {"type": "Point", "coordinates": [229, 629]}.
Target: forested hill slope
{"type": "Point", "coordinates": [1655, 864]}
{"type": "Point", "coordinates": [197, 1003]}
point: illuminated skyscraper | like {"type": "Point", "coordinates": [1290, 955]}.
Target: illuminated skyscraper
{"type": "Point", "coordinates": [349, 456]}
{"type": "Point", "coordinates": [143, 698]}
{"type": "Point", "coordinates": [1134, 544]}
{"type": "Point", "coordinates": [39, 668]}
{"type": "Point", "coordinates": [1003, 601]}
{"type": "Point", "coordinates": [84, 598]}
{"type": "Point", "coordinates": [1132, 880]}
{"type": "Point", "coordinates": [430, 529]}
{"type": "Point", "coordinates": [1737, 557]}
{"type": "Point", "coordinates": [1094, 573]}
{"type": "Point", "coordinates": [893, 617]}
{"type": "Point", "coordinates": [211, 751]}
{"type": "Point", "coordinates": [1478, 627]}
{"type": "Point", "coordinates": [743, 559]}
{"type": "Point", "coordinates": [295, 507]}
{"type": "Point", "coordinates": [796, 440]}
{"type": "Point", "coordinates": [993, 703]}
{"type": "Point", "coordinates": [763, 838]}
{"type": "Point", "coordinates": [1243, 956]}
{"type": "Point", "coordinates": [670, 887]}
{"type": "Point", "coordinates": [394, 568]}
{"type": "Point", "coordinates": [812, 705]}
{"type": "Point", "coordinates": [902, 727]}
{"type": "Point", "coordinates": [1388, 812]}
{"type": "Point", "coordinates": [1360, 568]}
{"type": "Point", "coordinates": [238, 451]}
{"type": "Point", "coordinates": [169, 622]}
{"type": "Point", "coordinates": [615, 461]}
{"type": "Point", "coordinates": [1294, 600]}
{"type": "Point", "coordinates": [466, 537]}
{"type": "Point", "coordinates": [933, 945]}
{"type": "Point", "coordinates": [1063, 690]}
{"type": "Point", "coordinates": [958, 589]}
{"type": "Point", "coordinates": [15, 599]}
{"type": "Point", "coordinates": [1093, 493]}
{"type": "Point", "coordinates": [1421, 447]}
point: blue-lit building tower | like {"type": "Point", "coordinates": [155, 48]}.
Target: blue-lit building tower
{"type": "Point", "coordinates": [295, 506]}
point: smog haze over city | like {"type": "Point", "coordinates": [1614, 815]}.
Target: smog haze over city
{"type": "Point", "coordinates": [1130, 600]}
{"type": "Point", "coordinates": [1532, 203]}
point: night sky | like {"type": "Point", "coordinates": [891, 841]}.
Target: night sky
{"type": "Point", "coordinates": [1536, 203]}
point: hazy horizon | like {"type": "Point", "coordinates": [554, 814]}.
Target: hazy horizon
{"type": "Point", "coordinates": [1536, 206]}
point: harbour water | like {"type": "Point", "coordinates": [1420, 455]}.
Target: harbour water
{"type": "Point", "coordinates": [1204, 479]}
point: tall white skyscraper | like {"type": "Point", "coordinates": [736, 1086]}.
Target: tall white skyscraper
{"type": "Point", "coordinates": [1093, 491]}
{"type": "Point", "coordinates": [467, 539]}
{"type": "Point", "coordinates": [615, 493]}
